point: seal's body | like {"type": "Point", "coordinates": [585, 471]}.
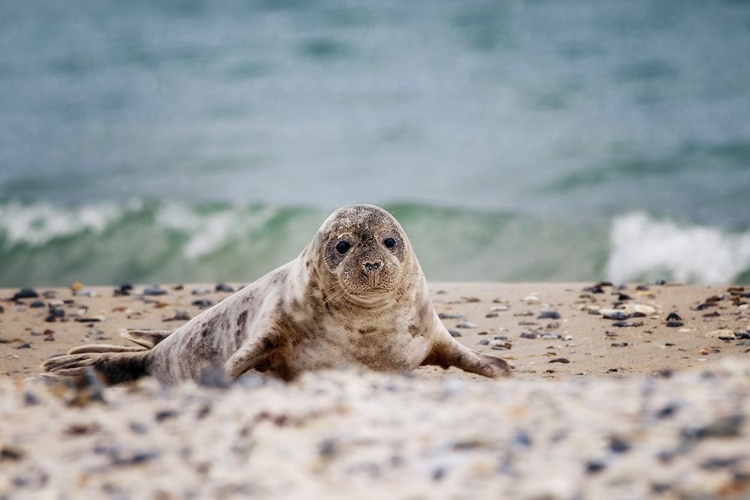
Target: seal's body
{"type": "Point", "coordinates": [355, 296]}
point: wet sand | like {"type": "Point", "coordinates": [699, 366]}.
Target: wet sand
{"type": "Point", "coordinates": [641, 406]}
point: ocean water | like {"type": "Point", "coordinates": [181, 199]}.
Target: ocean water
{"type": "Point", "coordinates": [517, 141]}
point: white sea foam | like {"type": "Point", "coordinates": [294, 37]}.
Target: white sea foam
{"type": "Point", "coordinates": [643, 247]}
{"type": "Point", "coordinates": [210, 231]}
{"type": "Point", "coordinates": [38, 223]}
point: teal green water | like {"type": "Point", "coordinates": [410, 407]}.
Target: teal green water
{"type": "Point", "coordinates": [543, 140]}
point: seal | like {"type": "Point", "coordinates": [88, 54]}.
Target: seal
{"type": "Point", "coordinates": [355, 296]}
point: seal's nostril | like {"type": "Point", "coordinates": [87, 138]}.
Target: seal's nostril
{"type": "Point", "coordinates": [371, 266]}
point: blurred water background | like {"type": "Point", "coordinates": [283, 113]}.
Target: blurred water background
{"type": "Point", "coordinates": [181, 141]}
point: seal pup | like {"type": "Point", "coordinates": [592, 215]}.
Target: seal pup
{"type": "Point", "coordinates": [355, 296]}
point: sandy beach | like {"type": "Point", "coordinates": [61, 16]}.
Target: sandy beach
{"type": "Point", "coordinates": [636, 392]}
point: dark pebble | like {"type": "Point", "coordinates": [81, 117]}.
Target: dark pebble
{"type": "Point", "coordinates": [26, 293]}
{"type": "Point", "coordinates": [484, 342]}
{"type": "Point", "coordinates": [25, 345]}
{"type": "Point", "coordinates": [203, 303]}
{"type": "Point", "coordinates": [742, 335]}
{"type": "Point", "coordinates": [49, 338]}
{"type": "Point", "coordinates": [10, 453]}
{"type": "Point", "coordinates": [37, 304]}
{"type": "Point", "coordinates": [619, 344]}
{"type": "Point", "coordinates": [660, 282]}
{"type": "Point", "coordinates": [637, 315]}
{"type": "Point", "coordinates": [223, 287]}
{"type": "Point", "coordinates": [622, 297]}
{"type": "Point", "coordinates": [549, 315]}
{"type": "Point", "coordinates": [674, 324]}
{"type": "Point", "coordinates": [438, 473]}
{"type": "Point", "coordinates": [523, 439]}
{"type": "Point", "coordinates": [2, 309]}
{"type": "Point", "coordinates": [491, 315]}
{"type": "Point", "coordinates": [593, 289]}
{"type": "Point", "coordinates": [642, 288]}
{"type": "Point", "coordinates": [154, 290]}
{"type": "Point", "coordinates": [136, 458]}
{"type": "Point", "coordinates": [595, 466]}
{"type": "Point", "coordinates": [123, 290]}
{"type": "Point", "coordinates": [560, 360]}
{"type": "Point", "coordinates": [616, 315]}
{"type": "Point", "coordinates": [328, 448]}
{"type": "Point", "coordinates": [526, 335]}
{"type": "Point", "coordinates": [451, 315]}
{"type": "Point", "coordinates": [164, 415]}
{"type": "Point", "coordinates": [673, 317]}
{"type": "Point", "coordinates": [620, 324]}
{"type": "Point", "coordinates": [719, 463]}
{"type": "Point", "coordinates": [454, 333]}
{"type": "Point", "coordinates": [618, 445]}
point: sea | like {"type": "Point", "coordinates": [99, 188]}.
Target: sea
{"type": "Point", "coordinates": [541, 140]}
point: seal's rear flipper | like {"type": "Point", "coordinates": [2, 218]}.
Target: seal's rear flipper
{"type": "Point", "coordinates": [116, 367]}
{"type": "Point", "coordinates": [146, 338]}
{"type": "Point", "coordinates": [447, 353]}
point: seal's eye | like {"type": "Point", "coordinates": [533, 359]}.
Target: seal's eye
{"type": "Point", "coordinates": [389, 242]}
{"type": "Point", "coordinates": [342, 247]}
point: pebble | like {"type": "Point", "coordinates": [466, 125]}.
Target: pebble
{"type": "Point", "coordinates": [560, 360]}
{"type": "Point", "coordinates": [466, 324]}
{"type": "Point", "coordinates": [529, 335]}
{"type": "Point", "coordinates": [25, 345]}
{"type": "Point", "coordinates": [619, 344]}
{"type": "Point", "coordinates": [614, 314]}
{"type": "Point", "coordinates": [454, 333]}
{"type": "Point", "coordinates": [443, 315]}
{"type": "Point", "coordinates": [484, 342]}
{"type": "Point", "coordinates": [223, 287]}
{"type": "Point", "coordinates": [201, 291]}
{"type": "Point", "coordinates": [26, 293]}
{"type": "Point", "coordinates": [154, 290]}
{"type": "Point", "coordinates": [531, 299]}
{"type": "Point", "coordinates": [491, 315]}
{"type": "Point", "coordinates": [471, 299]}
{"type": "Point", "coordinates": [550, 336]}
{"type": "Point", "coordinates": [724, 334]}
{"type": "Point", "coordinates": [675, 324]}
{"type": "Point", "coordinates": [37, 304]}
{"type": "Point", "coordinates": [180, 315]}
{"type": "Point", "coordinates": [593, 289]}
{"type": "Point", "coordinates": [501, 308]}
{"type": "Point", "coordinates": [549, 315]}
{"type": "Point", "coordinates": [123, 290]}
{"type": "Point", "coordinates": [673, 317]}
{"type": "Point", "coordinates": [203, 303]}
{"type": "Point", "coordinates": [638, 308]}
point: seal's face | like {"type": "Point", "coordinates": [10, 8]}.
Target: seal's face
{"type": "Point", "coordinates": [365, 249]}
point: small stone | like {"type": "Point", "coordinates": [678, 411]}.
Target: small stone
{"type": "Point", "coordinates": [531, 299]}
{"type": "Point", "coordinates": [560, 360]}
{"type": "Point", "coordinates": [638, 308]}
{"type": "Point", "coordinates": [25, 345]}
{"type": "Point", "coordinates": [49, 338]}
{"type": "Point", "coordinates": [673, 317]}
{"type": "Point", "coordinates": [491, 315]}
{"type": "Point", "coordinates": [549, 315]}
{"type": "Point", "coordinates": [37, 304]}
{"type": "Point", "coordinates": [203, 303]}
{"type": "Point", "coordinates": [26, 293]}
{"type": "Point", "coordinates": [550, 336]}
{"type": "Point", "coordinates": [223, 287]}
{"type": "Point", "coordinates": [444, 315]}
{"type": "Point", "coordinates": [180, 315]}
{"type": "Point", "coordinates": [568, 337]}
{"type": "Point", "coordinates": [529, 335]}
{"type": "Point", "coordinates": [154, 291]}
{"type": "Point", "coordinates": [675, 324]}
{"type": "Point", "coordinates": [466, 324]}
{"type": "Point", "coordinates": [471, 299]}
{"type": "Point", "coordinates": [593, 289]}
{"type": "Point", "coordinates": [484, 342]}
{"type": "Point", "coordinates": [614, 314]}
{"type": "Point", "coordinates": [619, 344]}
{"type": "Point", "coordinates": [201, 291]}
{"type": "Point", "coordinates": [501, 308]}
{"type": "Point", "coordinates": [454, 333]}
{"type": "Point", "coordinates": [724, 334]}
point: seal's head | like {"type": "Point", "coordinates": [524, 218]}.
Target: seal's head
{"type": "Point", "coordinates": [365, 251]}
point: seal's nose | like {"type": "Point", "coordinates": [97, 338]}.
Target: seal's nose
{"type": "Point", "coordinates": [371, 267]}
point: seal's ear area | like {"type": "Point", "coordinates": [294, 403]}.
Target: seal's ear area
{"type": "Point", "coordinates": [253, 354]}
{"type": "Point", "coordinates": [447, 352]}
{"type": "Point", "coordinates": [117, 367]}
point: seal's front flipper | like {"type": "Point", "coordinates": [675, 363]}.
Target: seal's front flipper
{"type": "Point", "coordinates": [255, 353]}
{"type": "Point", "coordinates": [116, 367]}
{"type": "Point", "coordinates": [447, 352]}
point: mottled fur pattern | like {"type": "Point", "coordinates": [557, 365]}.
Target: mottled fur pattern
{"type": "Point", "coordinates": [355, 296]}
